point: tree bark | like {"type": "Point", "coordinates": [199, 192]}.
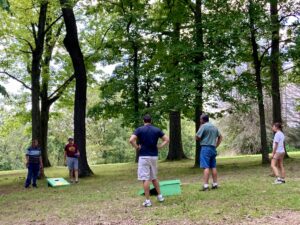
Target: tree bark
{"type": "Point", "coordinates": [71, 43]}
{"type": "Point", "coordinates": [136, 91]}
{"type": "Point", "coordinates": [198, 74]}
{"type": "Point", "coordinates": [37, 53]}
{"type": "Point", "coordinates": [274, 64]}
{"type": "Point", "coordinates": [259, 87]}
{"type": "Point", "coordinates": [175, 146]}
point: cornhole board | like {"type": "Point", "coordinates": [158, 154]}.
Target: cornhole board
{"type": "Point", "coordinates": [57, 182]}
{"type": "Point", "coordinates": [167, 188]}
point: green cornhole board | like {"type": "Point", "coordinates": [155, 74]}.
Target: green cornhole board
{"type": "Point", "coordinates": [167, 188]}
{"type": "Point", "coordinates": [57, 182]}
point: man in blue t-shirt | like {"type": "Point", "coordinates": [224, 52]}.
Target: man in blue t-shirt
{"type": "Point", "coordinates": [147, 137]}
{"type": "Point", "coordinates": [33, 163]}
{"type": "Point", "coordinates": [210, 138]}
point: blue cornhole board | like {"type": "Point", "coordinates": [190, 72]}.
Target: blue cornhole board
{"type": "Point", "coordinates": [167, 188]}
{"type": "Point", "coordinates": [57, 182]}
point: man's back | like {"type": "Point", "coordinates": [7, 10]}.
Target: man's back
{"type": "Point", "coordinates": [148, 136]}
{"type": "Point", "coordinates": [208, 134]}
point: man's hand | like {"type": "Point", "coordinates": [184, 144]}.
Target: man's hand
{"type": "Point", "coordinates": [41, 165]}
{"type": "Point", "coordinates": [26, 164]}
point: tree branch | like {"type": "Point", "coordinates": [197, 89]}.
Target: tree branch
{"type": "Point", "coordinates": [29, 44]}
{"type": "Point", "coordinates": [15, 78]}
{"type": "Point", "coordinates": [33, 31]}
{"type": "Point", "coordinates": [57, 93]}
{"type": "Point", "coordinates": [52, 24]}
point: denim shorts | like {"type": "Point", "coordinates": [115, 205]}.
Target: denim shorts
{"type": "Point", "coordinates": [208, 157]}
{"type": "Point", "coordinates": [72, 163]}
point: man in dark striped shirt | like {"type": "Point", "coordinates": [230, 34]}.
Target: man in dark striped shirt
{"type": "Point", "coordinates": [33, 163]}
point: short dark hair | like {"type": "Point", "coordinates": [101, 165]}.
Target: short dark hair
{"type": "Point", "coordinates": [204, 117]}
{"type": "Point", "coordinates": [278, 125]}
{"type": "Point", "coordinates": [147, 118]}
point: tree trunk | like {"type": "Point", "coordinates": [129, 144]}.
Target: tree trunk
{"type": "Point", "coordinates": [37, 53]}
{"type": "Point", "coordinates": [136, 91]}
{"type": "Point", "coordinates": [198, 75]}
{"type": "Point", "coordinates": [71, 43]}
{"type": "Point", "coordinates": [175, 146]}
{"type": "Point", "coordinates": [44, 132]}
{"type": "Point", "coordinates": [259, 87]}
{"type": "Point", "coordinates": [274, 64]}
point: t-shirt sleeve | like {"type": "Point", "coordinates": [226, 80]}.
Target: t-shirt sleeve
{"type": "Point", "coordinates": [136, 132]}
{"type": "Point", "coordinates": [200, 132]}
{"type": "Point", "coordinates": [160, 133]}
{"type": "Point", "coordinates": [277, 138]}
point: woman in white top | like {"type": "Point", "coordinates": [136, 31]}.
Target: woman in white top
{"type": "Point", "coordinates": [278, 154]}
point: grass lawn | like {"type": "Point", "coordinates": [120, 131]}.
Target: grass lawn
{"type": "Point", "coordinates": [110, 197]}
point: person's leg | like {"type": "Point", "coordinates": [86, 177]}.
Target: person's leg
{"type": "Point", "coordinates": [213, 166]}
{"type": "Point", "coordinates": [156, 185]}
{"type": "Point", "coordinates": [29, 176]}
{"type": "Point", "coordinates": [144, 176]}
{"type": "Point", "coordinates": [71, 175]}
{"type": "Point", "coordinates": [76, 175]}
{"type": "Point", "coordinates": [214, 175]}
{"type": "Point", "coordinates": [281, 168]}
{"type": "Point", "coordinates": [204, 163]}
{"type": "Point", "coordinates": [274, 167]}
{"type": "Point", "coordinates": [205, 176]}
{"type": "Point", "coordinates": [35, 174]}
{"type": "Point", "coordinates": [76, 170]}
{"type": "Point", "coordinates": [146, 186]}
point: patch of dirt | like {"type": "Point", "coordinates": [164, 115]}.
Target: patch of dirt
{"type": "Point", "coordinates": [284, 217]}
{"type": "Point", "coordinates": [280, 218]}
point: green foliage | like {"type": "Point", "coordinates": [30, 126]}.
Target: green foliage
{"type": "Point", "coordinates": [4, 4]}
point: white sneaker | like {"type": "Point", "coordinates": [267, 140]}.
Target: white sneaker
{"type": "Point", "coordinates": [160, 198]}
{"type": "Point", "coordinates": [278, 181]}
{"type": "Point", "coordinates": [147, 203]}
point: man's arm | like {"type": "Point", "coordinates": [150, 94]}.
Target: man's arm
{"type": "Point", "coordinates": [65, 157]}
{"type": "Point", "coordinates": [165, 139]}
{"type": "Point", "coordinates": [219, 140]}
{"type": "Point", "coordinates": [132, 141]}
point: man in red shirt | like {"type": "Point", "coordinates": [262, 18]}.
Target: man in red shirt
{"type": "Point", "coordinates": [71, 159]}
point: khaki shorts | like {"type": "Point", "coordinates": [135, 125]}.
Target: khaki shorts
{"type": "Point", "coordinates": [147, 168]}
{"type": "Point", "coordinates": [279, 155]}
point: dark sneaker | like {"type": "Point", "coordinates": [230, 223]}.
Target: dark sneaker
{"type": "Point", "coordinates": [205, 189]}
{"type": "Point", "coordinates": [27, 186]}
{"type": "Point", "coordinates": [34, 186]}
{"type": "Point", "coordinates": [214, 187]}
{"type": "Point", "coordinates": [76, 182]}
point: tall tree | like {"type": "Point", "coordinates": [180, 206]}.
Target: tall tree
{"type": "Point", "coordinates": [71, 43]}
{"type": "Point", "coordinates": [37, 53]}
{"type": "Point", "coordinates": [274, 63]}
{"type": "Point", "coordinates": [259, 86]}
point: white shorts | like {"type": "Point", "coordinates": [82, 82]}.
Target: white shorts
{"type": "Point", "coordinates": [147, 168]}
